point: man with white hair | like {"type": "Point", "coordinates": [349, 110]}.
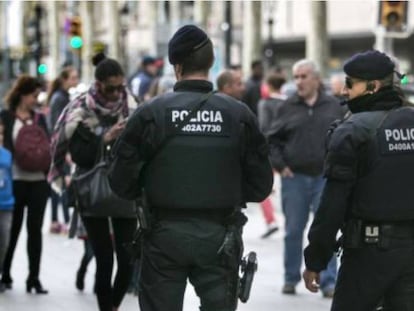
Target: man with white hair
{"type": "Point", "coordinates": [297, 148]}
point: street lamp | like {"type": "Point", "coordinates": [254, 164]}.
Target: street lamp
{"type": "Point", "coordinates": [124, 21]}
{"type": "Point", "coordinates": [269, 46]}
{"type": "Point", "coordinates": [227, 28]}
{"type": "Point", "coordinates": [268, 52]}
{"type": "Point", "coordinates": [38, 38]}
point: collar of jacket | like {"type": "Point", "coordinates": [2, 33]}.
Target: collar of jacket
{"type": "Point", "coordinates": [202, 86]}
{"type": "Point", "coordinates": [321, 99]}
{"type": "Point", "coordinates": [386, 98]}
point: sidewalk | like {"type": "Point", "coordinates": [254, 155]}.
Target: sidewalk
{"type": "Point", "coordinates": [61, 258]}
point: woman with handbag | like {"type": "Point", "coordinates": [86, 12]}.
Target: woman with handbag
{"type": "Point", "coordinates": [87, 129]}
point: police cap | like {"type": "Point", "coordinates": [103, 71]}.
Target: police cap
{"type": "Point", "coordinates": [186, 41]}
{"type": "Point", "coordinates": [370, 65]}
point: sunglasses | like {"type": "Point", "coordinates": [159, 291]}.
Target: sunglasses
{"type": "Point", "coordinates": [109, 89]}
{"type": "Point", "coordinates": [349, 82]}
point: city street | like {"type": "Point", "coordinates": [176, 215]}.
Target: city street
{"type": "Point", "coordinates": [61, 257]}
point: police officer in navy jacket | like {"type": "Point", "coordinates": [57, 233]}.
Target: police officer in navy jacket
{"type": "Point", "coordinates": [368, 195]}
{"type": "Point", "coordinates": [215, 163]}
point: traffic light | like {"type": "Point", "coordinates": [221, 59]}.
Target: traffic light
{"type": "Point", "coordinates": [75, 30]}
{"type": "Point", "coordinates": [42, 69]}
{"type": "Point", "coordinates": [393, 15]}
{"type": "Point", "coordinates": [405, 80]}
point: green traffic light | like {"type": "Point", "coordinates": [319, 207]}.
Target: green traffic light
{"type": "Point", "coordinates": [76, 42]}
{"type": "Point", "coordinates": [404, 80]}
{"type": "Point", "coordinates": [42, 69]}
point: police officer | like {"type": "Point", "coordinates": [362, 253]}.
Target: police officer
{"type": "Point", "coordinates": [216, 162]}
{"type": "Point", "coordinates": [368, 194]}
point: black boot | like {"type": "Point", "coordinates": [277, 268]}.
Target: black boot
{"type": "Point", "coordinates": [7, 281]}
{"type": "Point", "coordinates": [80, 279]}
{"type": "Point", "coordinates": [36, 285]}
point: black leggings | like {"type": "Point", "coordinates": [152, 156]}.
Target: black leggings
{"type": "Point", "coordinates": [87, 255]}
{"type": "Point", "coordinates": [34, 195]}
{"type": "Point", "coordinates": [103, 247]}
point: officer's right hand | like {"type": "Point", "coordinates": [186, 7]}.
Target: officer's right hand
{"type": "Point", "coordinates": [286, 172]}
{"type": "Point", "coordinates": [311, 279]}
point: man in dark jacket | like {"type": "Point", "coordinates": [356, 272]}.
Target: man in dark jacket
{"type": "Point", "coordinates": [297, 143]}
{"type": "Point", "coordinates": [252, 95]}
{"type": "Point", "coordinates": [368, 194]}
{"type": "Point", "coordinates": [194, 183]}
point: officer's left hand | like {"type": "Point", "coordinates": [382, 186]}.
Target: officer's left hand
{"type": "Point", "coordinates": [311, 280]}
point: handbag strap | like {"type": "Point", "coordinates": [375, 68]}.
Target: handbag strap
{"type": "Point", "coordinates": [179, 126]}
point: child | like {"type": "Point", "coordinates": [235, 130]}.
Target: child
{"type": "Point", "coordinates": [6, 200]}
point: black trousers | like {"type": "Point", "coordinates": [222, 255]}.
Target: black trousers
{"type": "Point", "coordinates": [369, 274]}
{"type": "Point", "coordinates": [103, 245]}
{"type": "Point", "coordinates": [87, 255]}
{"type": "Point", "coordinates": [177, 250]}
{"type": "Point", "coordinates": [34, 195]}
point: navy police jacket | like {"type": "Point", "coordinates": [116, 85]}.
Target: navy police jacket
{"type": "Point", "coordinates": [369, 166]}
{"type": "Point", "coordinates": [219, 159]}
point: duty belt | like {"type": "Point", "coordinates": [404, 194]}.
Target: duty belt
{"type": "Point", "coordinates": [216, 215]}
{"type": "Point", "coordinates": [395, 232]}
{"type": "Point", "coordinates": [358, 233]}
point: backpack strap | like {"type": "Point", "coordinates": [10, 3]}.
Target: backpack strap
{"type": "Point", "coordinates": [36, 118]}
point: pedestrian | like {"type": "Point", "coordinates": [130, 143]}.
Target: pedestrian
{"type": "Point", "coordinates": [267, 114]}
{"type": "Point", "coordinates": [297, 144]}
{"type": "Point", "coordinates": [6, 200]}
{"type": "Point", "coordinates": [141, 81]}
{"type": "Point", "coordinates": [230, 82]}
{"type": "Point", "coordinates": [88, 126]}
{"type": "Point", "coordinates": [337, 83]}
{"type": "Point", "coordinates": [193, 183]}
{"type": "Point", "coordinates": [368, 152]}
{"type": "Point", "coordinates": [26, 137]}
{"type": "Point", "coordinates": [253, 85]}
{"type": "Point", "coordinates": [268, 107]}
{"type": "Point", "coordinates": [57, 99]}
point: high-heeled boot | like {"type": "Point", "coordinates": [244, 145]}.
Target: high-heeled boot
{"type": "Point", "coordinates": [36, 285]}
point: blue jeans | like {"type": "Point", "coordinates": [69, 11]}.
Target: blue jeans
{"type": "Point", "coordinates": [301, 194]}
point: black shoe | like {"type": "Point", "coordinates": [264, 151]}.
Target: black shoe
{"type": "Point", "coordinates": [7, 281]}
{"type": "Point", "coordinates": [289, 289]}
{"type": "Point", "coordinates": [36, 285]}
{"type": "Point", "coordinates": [270, 230]}
{"type": "Point", "coordinates": [80, 279]}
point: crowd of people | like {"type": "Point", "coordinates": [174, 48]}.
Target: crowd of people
{"type": "Point", "coordinates": [98, 126]}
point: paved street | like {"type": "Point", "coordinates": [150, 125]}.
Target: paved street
{"type": "Point", "coordinates": [61, 257]}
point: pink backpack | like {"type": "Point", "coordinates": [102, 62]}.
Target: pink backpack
{"type": "Point", "coordinates": [32, 148]}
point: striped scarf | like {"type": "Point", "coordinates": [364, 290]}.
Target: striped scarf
{"type": "Point", "coordinates": [87, 109]}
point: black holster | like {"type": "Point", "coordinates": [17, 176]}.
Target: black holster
{"type": "Point", "coordinates": [231, 253]}
{"type": "Point", "coordinates": [352, 237]}
{"type": "Point", "coordinates": [248, 268]}
{"type": "Point", "coordinates": [135, 247]}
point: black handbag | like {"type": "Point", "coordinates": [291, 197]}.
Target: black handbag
{"type": "Point", "coordinates": [95, 197]}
